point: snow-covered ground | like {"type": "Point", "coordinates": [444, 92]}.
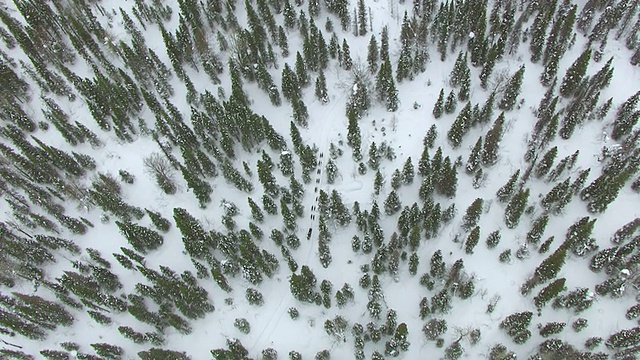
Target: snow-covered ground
{"type": "Point", "coordinates": [403, 130]}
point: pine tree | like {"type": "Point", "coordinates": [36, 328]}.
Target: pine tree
{"type": "Point", "coordinates": [354, 138]}
{"type": "Point", "coordinates": [537, 229]}
{"type": "Point", "coordinates": [392, 204]}
{"type": "Point", "coordinates": [515, 208]}
{"type": "Point", "coordinates": [492, 140]}
{"type": "Point", "coordinates": [372, 54]}
{"type": "Point", "coordinates": [547, 161]}
{"type": "Point", "coordinates": [438, 107]}
{"type": "Point", "coordinates": [472, 240]}
{"type": "Point", "coordinates": [575, 74]}
{"type": "Point", "coordinates": [460, 126]}
{"type": "Point", "coordinates": [473, 162]}
{"type": "Point", "coordinates": [362, 18]}
{"type": "Point", "coordinates": [451, 103]}
{"type": "Point", "coordinates": [300, 112]}
{"type": "Point", "coordinates": [301, 70]}
{"type": "Point", "coordinates": [321, 88]}
{"type": "Point", "coordinates": [549, 267]}
{"type": "Point", "coordinates": [347, 62]}
{"type": "Point", "coordinates": [578, 237]}
{"type": "Point", "coordinates": [472, 215]}
{"type": "Point", "coordinates": [512, 90]}
{"type": "Point", "coordinates": [549, 292]}
{"type": "Point", "coordinates": [407, 172]}
{"type": "Point", "coordinates": [384, 44]}
{"type": "Point", "coordinates": [623, 125]}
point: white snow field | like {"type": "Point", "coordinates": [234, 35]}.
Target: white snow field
{"type": "Point", "coordinates": [496, 283]}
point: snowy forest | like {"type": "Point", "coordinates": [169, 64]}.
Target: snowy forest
{"type": "Point", "coordinates": [319, 179]}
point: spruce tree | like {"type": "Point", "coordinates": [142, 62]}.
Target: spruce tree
{"type": "Point", "coordinates": [512, 90]}
{"type": "Point", "coordinates": [301, 70]}
{"type": "Point", "coordinates": [372, 54]}
{"type": "Point", "coordinates": [472, 214]}
{"type": "Point", "coordinates": [438, 107]}
{"type": "Point", "coordinates": [515, 208]}
{"type": "Point", "coordinates": [547, 161]}
{"type": "Point", "coordinates": [347, 62]}
{"type": "Point", "coordinates": [321, 88]}
{"type": "Point", "coordinates": [549, 292]}
{"type": "Point", "coordinates": [473, 162]}
{"type": "Point", "coordinates": [575, 74]}
{"type": "Point", "coordinates": [392, 204]}
{"type": "Point", "coordinates": [460, 126]}
{"type": "Point", "coordinates": [362, 18]}
{"type": "Point", "coordinates": [451, 103]}
{"type": "Point", "coordinates": [492, 140]}
{"type": "Point", "coordinates": [472, 240]}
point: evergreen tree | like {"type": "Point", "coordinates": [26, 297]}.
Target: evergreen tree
{"type": "Point", "coordinates": [547, 161]}
{"type": "Point", "coordinates": [384, 44]}
{"type": "Point", "coordinates": [290, 84]}
{"type": "Point", "coordinates": [492, 140]}
{"type": "Point", "coordinates": [372, 54]}
{"type": "Point", "coordinates": [473, 162]}
{"type": "Point", "coordinates": [549, 292]}
{"type": "Point", "coordinates": [354, 138]}
{"type": "Point", "coordinates": [549, 267]}
{"type": "Point", "coordinates": [301, 70]}
{"type": "Point", "coordinates": [407, 172]}
{"type": "Point", "coordinates": [392, 204]}
{"type": "Point", "coordinates": [460, 126]}
{"type": "Point", "coordinates": [385, 87]}
{"type": "Point", "coordinates": [282, 41]}
{"type": "Point", "coordinates": [438, 107]}
{"type": "Point", "coordinates": [512, 90]}
{"type": "Point", "coordinates": [472, 240]}
{"type": "Point", "coordinates": [321, 88]}
{"type": "Point", "coordinates": [362, 18]}
{"type": "Point", "coordinates": [347, 62]}
{"type": "Point", "coordinates": [472, 215]}
{"type": "Point", "coordinates": [437, 267]}
{"type": "Point", "coordinates": [515, 208]}
{"type": "Point", "coordinates": [451, 103]}
{"type": "Point", "coordinates": [537, 229]}
{"type": "Point", "coordinates": [575, 74]}
{"type": "Point", "coordinates": [493, 239]}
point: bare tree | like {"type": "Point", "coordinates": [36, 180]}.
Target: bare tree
{"type": "Point", "coordinates": [161, 169]}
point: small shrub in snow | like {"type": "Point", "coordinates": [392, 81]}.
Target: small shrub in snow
{"type": "Point", "coordinates": [254, 297]}
{"type": "Point", "coordinates": [323, 355]}
{"type": "Point", "coordinates": [493, 239]}
{"type": "Point", "coordinates": [55, 354]}
{"type": "Point", "coordinates": [269, 354]}
{"type": "Point", "coordinates": [453, 351]}
{"type": "Point", "coordinates": [434, 328]}
{"type": "Point", "coordinates": [505, 256]}
{"type": "Point", "coordinates": [293, 313]}
{"type": "Point", "coordinates": [552, 328]}
{"type": "Point", "coordinates": [500, 352]}
{"type": "Point", "coordinates": [294, 355]}
{"type": "Point", "coordinates": [593, 342]}
{"type": "Point", "coordinates": [579, 324]}
{"type": "Point", "coordinates": [243, 325]}
{"type": "Point", "coordinates": [633, 312]}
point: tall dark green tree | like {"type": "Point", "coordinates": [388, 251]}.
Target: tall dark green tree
{"type": "Point", "coordinates": [438, 107]}
{"type": "Point", "coordinates": [575, 74]}
{"type": "Point", "coordinates": [373, 54]}
{"type": "Point", "coordinates": [512, 90]}
{"type": "Point", "coordinates": [515, 208]}
{"type": "Point", "coordinates": [460, 126]}
{"type": "Point", "coordinates": [492, 141]}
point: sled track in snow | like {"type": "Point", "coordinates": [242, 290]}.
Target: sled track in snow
{"type": "Point", "coordinates": [316, 183]}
